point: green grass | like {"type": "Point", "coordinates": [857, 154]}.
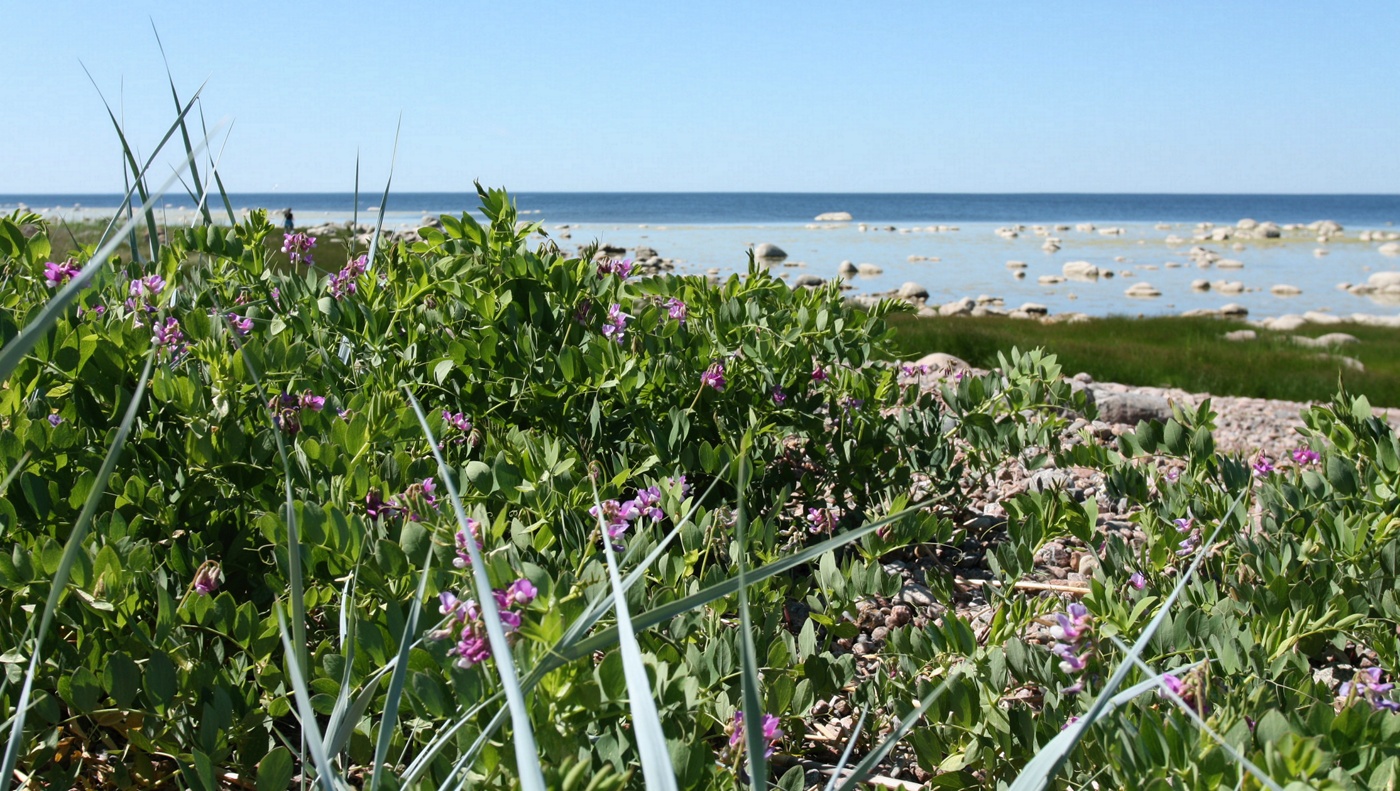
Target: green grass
{"type": "Point", "coordinates": [1189, 353]}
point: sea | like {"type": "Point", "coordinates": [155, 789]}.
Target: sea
{"type": "Point", "coordinates": [954, 245]}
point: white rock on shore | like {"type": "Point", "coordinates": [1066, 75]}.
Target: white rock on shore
{"type": "Point", "coordinates": [834, 216]}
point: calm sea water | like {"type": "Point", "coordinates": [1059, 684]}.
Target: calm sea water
{"type": "Point", "coordinates": [709, 232]}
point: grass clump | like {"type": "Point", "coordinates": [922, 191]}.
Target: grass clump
{"type": "Point", "coordinates": [1187, 353]}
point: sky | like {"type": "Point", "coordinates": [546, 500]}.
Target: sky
{"type": "Point", "coordinates": [1193, 97]}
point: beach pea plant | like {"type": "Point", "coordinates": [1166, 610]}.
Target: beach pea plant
{"type": "Point", "coordinates": [473, 511]}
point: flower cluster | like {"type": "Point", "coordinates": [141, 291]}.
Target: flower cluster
{"type": "Point", "coordinates": [820, 520]}
{"type": "Point", "coordinates": [298, 247]}
{"type": "Point", "coordinates": [170, 338]}
{"type": "Point", "coordinates": [58, 274]}
{"type": "Point", "coordinates": [472, 646]}
{"type": "Point", "coordinates": [621, 268]}
{"type": "Point", "coordinates": [240, 325]}
{"type": "Point", "coordinates": [144, 292]}
{"type": "Point", "coordinates": [286, 409]}
{"type": "Point", "coordinates": [344, 281]}
{"type": "Point", "coordinates": [778, 395]}
{"type": "Point", "coordinates": [1367, 686]}
{"type": "Point", "coordinates": [1187, 527]}
{"type": "Point", "coordinates": [677, 310]}
{"type": "Point", "coordinates": [417, 493]}
{"type": "Point", "coordinates": [618, 516]}
{"type": "Point", "coordinates": [459, 426]}
{"type": "Point", "coordinates": [472, 533]}
{"type": "Point", "coordinates": [1304, 456]}
{"type": "Point", "coordinates": [1263, 465]}
{"type": "Point", "coordinates": [1075, 644]}
{"type": "Point", "coordinates": [713, 377]}
{"type": "Point", "coordinates": [768, 726]}
{"type": "Point", "coordinates": [206, 579]}
{"type": "Point", "coordinates": [616, 323]}
{"type": "Point", "coordinates": [913, 370]}
{"type": "Point", "coordinates": [819, 373]}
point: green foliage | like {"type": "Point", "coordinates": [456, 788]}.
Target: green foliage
{"type": "Point", "coordinates": [540, 415]}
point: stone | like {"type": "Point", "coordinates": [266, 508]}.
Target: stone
{"type": "Point", "coordinates": [1142, 290]}
{"type": "Point", "coordinates": [1267, 230]}
{"type": "Point", "coordinates": [868, 270]}
{"type": "Point", "coordinates": [808, 280]}
{"type": "Point", "coordinates": [1336, 339]}
{"type": "Point", "coordinates": [1390, 248]}
{"type": "Point", "coordinates": [958, 307]}
{"type": "Point", "coordinates": [1247, 225]}
{"type": "Point", "coordinates": [1228, 286]}
{"type": "Point", "coordinates": [1229, 263]}
{"type": "Point", "coordinates": [1015, 264]}
{"type": "Point", "coordinates": [1050, 280]}
{"type": "Point", "coordinates": [769, 250]}
{"type": "Point", "coordinates": [1326, 227]}
{"type": "Point", "coordinates": [1080, 270]}
{"type": "Point", "coordinates": [1383, 280]}
{"type": "Point", "coordinates": [1318, 317]}
{"type": "Point", "coordinates": [915, 595]}
{"type": "Point", "coordinates": [1286, 323]}
{"type": "Point", "coordinates": [1034, 309]}
{"type": "Point", "coordinates": [1241, 335]}
{"type": "Point", "coordinates": [847, 268]}
{"type": "Point", "coordinates": [938, 361]}
{"type": "Point", "coordinates": [1130, 408]}
{"type": "Point", "coordinates": [834, 216]}
{"type": "Point", "coordinates": [1200, 285]}
{"type": "Point", "coordinates": [1285, 290]}
{"type": "Point", "coordinates": [912, 290]}
{"type": "Point", "coordinates": [642, 253]}
{"type": "Point", "coordinates": [1048, 481]}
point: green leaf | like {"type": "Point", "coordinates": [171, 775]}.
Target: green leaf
{"type": "Point", "coordinates": [160, 679]}
{"type": "Point", "coordinates": [275, 770]}
{"type": "Point", "coordinates": [122, 679]}
{"type": "Point", "coordinates": [86, 691]}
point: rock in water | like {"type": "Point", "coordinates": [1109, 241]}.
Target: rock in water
{"type": "Point", "coordinates": [1080, 270]}
{"type": "Point", "coordinates": [769, 251]}
{"type": "Point", "coordinates": [834, 216]}
{"type": "Point", "coordinates": [912, 290]}
{"type": "Point", "coordinates": [807, 280]}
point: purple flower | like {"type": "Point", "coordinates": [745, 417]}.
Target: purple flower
{"type": "Point", "coordinates": [1185, 524]}
{"type": "Point", "coordinates": [676, 309]}
{"type": "Point", "coordinates": [521, 592]}
{"type": "Point", "coordinates": [58, 274]}
{"type": "Point", "coordinates": [169, 337]}
{"type": "Point", "coordinates": [713, 377]}
{"type": "Point", "coordinates": [1072, 625]}
{"type": "Point", "coordinates": [616, 516]}
{"type": "Point", "coordinates": [277, 296]}
{"type": "Point", "coordinates": [55, 419]}
{"type": "Point", "coordinates": [346, 281]}
{"type": "Point", "coordinates": [1173, 474]}
{"type": "Point", "coordinates": [1070, 662]}
{"type": "Point", "coordinates": [471, 533]}
{"type": "Point", "coordinates": [374, 504]}
{"type": "Point", "coordinates": [1137, 580]}
{"type": "Point", "coordinates": [582, 312]}
{"type": "Point", "coordinates": [778, 395]}
{"type": "Point", "coordinates": [1263, 465]}
{"type": "Point", "coordinates": [312, 402]}
{"type": "Point", "coordinates": [206, 579]}
{"type": "Point", "coordinates": [621, 268]}
{"type": "Point", "coordinates": [1367, 685]}
{"type": "Point", "coordinates": [298, 247]}
{"type": "Point", "coordinates": [819, 374]}
{"type": "Point", "coordinates": [820, 520]}
{"type": "Point", "coordinates": [1173, 684]}
{"type": "Point", "coordinates": [616, 323]}
{"type": "Point", "coordinates": [472, 646]}
{"type": "Point", "coordinates": [240, 325]}
{"type": "Point", "coordinates": [1303, 456]}
{"type": "Point", "coordinates": [680, 479]}
{"type": "Point", "coordinates": [772, 734]}
{"type": "Point", "coordinates": [286, 412]}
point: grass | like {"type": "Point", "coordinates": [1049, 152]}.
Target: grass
{"type": "Point", "coordinates": [1189, 353]}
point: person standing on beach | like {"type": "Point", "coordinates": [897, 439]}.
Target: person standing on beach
{"type": "Point", "coordinates": [287, 219]}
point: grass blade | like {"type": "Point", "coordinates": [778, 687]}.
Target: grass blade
{"type": "Point", "coordinates": [657, 770]}
{"type": "Point", "coordinates": [1041, 770]}
{"type": "Point", "coordinates": [383, 202]}
{"type": "Point", "coordinates": [396, 681]}
{"type": "Point", "coordinates": [184, 130]}
{"type": "Point", "coordinates": [214, 165]}
{"type": "Point", "coordinates": [325, 773]}
{"type": "Point", "coordinates": [14, 351]}
{"type": "Point", "coordinates": [526, 753]}
{"type": "Point", "coordinates": [869, 762]}
{"type": "Point", "coordinates": [71, 549]}
{"type": "Point", "coordinates": [752, 704]}
{"type": "Point", "coordinates": [850, 748]}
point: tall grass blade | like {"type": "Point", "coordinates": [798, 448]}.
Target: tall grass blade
{"type": "Point", "coordinates": [752, 703]}
{"type": "Point", "coordinates": [325, 773]}
{"type": "Point", "coordinates": [526, 753]}
{"type": "Point", "coordinates": [14, 351]}
{"type": "Point", "coordinates": [389, 720]}
{"type": "Point", "coordinates": [1229, 749]}
{"type": "Point", "coordinates": [214, 165]}
{"type": "Point", "coordinates": [850, 748]}
{"type": "Point", "coordinates": [869, 762]}
{"type": "Point", "coordinates": [657, 770]}
{"type": "Point", "coordinates": [348, 621]}
{"type": "Point", "coordinates": [383, 202]}
{"type": "Point", "coordinates": [1041, 770]}
{"type": "Point", "coordinates": [184, 130]}
{"type": "Point", "coordinates": [71, 549]}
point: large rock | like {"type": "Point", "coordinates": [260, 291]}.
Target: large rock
{"type": "Point", "coordinates": [1383, 280]}
{"type": "Point", "coordinates": [1034, 309]}
{"type": "Point", "coordinates": [1390, 248]}
{"type": "Point", "coordinates": [1142, 290]}
{"type": "Point", "coordinates": [912, 290]}
{"type": "Point", "coordinates": [1080, 270]}
{"type": "Point", "coordinates": [834, 216]}
{"type": "Point", "coordinates": [769, 251]}
{"type": "Point", "coordinates": [1247, 224]}
{"type": "Point", "coordinates": [1285, 290]}
{"type": "Point", "coordinates": [847, 268]}
{"type": "Point", "coordinates": [869, 270]}
{"type": "Point", "coordinates": [938, 361]}
{"type": "Point", "coordinates": [807, 280]}
{"type": "Point", "coordinates": [1130, 408]}
{"type": "Point", "coordinates": [1234, 310]}
{"type": "Point", "coordinates": [958, 307]}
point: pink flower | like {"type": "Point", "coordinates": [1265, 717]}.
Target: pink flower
{"type": "Point", "coordinates": [713, 377]}
{"type": "Point", "coordinates": [240, 325]}
{"type": "Point", "coordinates": [778, 395]}
{"type": "Point", "coordinates": [1137, 580]}
{"type": "Point", "coordinates": [1263, 465]}
{"type": "Point", "coordinates": [820, 520]}
{"type": "Point", "coordinates": [616, 323]}
{"type": "Point", "coordinates": [676, 309]}
{"type": "Point", "coordinates": [206, 579]}
{"type": "Point", "coordinates": [298, 247]}
{"type": "Point", "coordinates": [55, 419]}
{"type": "Point", "coordinates": [58, 274]}
{"type": "Point", "coordinates": [621, 268]}
{"type": "Point", "coordinates": [819, 374]}
{"type": "Point", "coordinates": [471, 533]}
{"type": "Point", "coordinates": [772, 734]}
{"type": "Point", "coordinates": [1303, 456]}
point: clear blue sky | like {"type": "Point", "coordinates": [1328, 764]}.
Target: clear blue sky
{"type": "Point", "coordinates": [716, 96]}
